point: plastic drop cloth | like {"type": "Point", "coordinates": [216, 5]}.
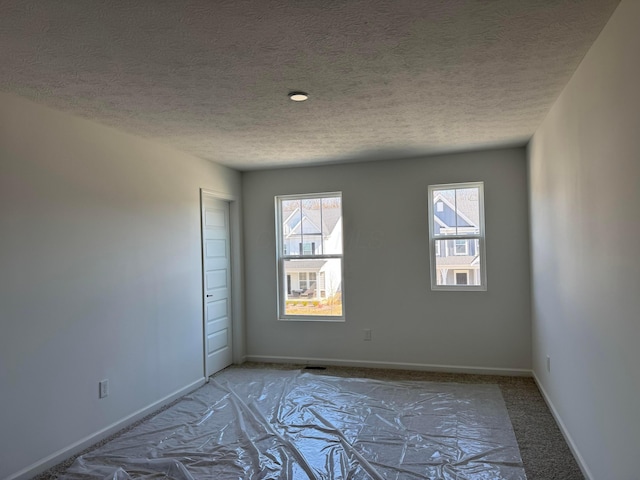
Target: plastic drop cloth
{"type": "Point", "coordinates": [273, 424]}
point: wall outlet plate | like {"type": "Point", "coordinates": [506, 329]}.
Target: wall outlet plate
{"type": "Point", "coordinates": [103, 388]}
{"type": "Point", "coordinates": [548, 364]}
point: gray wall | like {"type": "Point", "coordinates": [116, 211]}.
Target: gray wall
{"type": "Point", "coordinates": [387, 268]}
{"type": "Point", "coordinates": [585, 204]}
{"type": "Point", "coordinates": [101, 277]}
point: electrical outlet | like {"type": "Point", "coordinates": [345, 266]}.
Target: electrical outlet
{"type": "Point", "coordinates": [367, 334]}
{"type": "Point", "coordinates": [548, 364]}
{"type": "Point", "coordinates": [103, 388]}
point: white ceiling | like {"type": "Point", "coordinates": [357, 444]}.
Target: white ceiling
{"type": "Point", "coordinates": [386, 78]}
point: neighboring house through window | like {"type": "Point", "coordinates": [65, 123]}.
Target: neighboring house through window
{"type": "Point", "coordinates": [310, 265]}
{"type": "Point", "coordinates": [456, 236]}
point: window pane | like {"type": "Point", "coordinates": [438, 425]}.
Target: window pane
{"type": "Point", "coordinates": [456, 211]}
{"type": "Point", "coordinates": [468, 211]}
{"type": "Point", "coordinates": [316, 287]}
{"type": "Point", "coordinates": [291, 227]}
{"type": "Point", "coordinates": [311, 216]}
{"type": "Point", "coordinates": [459, 260]}
{"type": "Point", "coordinates": [311, 226]}
{"type": "Point", "coordinates": [444, 218]}
{"type": "Point", "coordinates": [332, 225]}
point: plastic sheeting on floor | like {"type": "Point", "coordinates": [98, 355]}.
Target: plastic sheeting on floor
{"type": "Point", "coordinates": [278, 424]}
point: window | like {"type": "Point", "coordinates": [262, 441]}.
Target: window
{"type": "Point", "coordinates": [457, 237]}
{"type": "Point", "coordinates": [310, 263]}
{"type": "Point", "coordinates": [307, 280]}
{"type": "Point", "coordinates": [308, 248]}
{"type": "Point", "coordinates": [461, 247]}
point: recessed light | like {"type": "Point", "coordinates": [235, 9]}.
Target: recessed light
{"type": "Point", "coordinates": [298, 96]}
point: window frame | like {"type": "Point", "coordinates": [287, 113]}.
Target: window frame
{"type": "Point", "coordinates": [480, 236]}
{"type": "Point", "coordinates": [281, 258]}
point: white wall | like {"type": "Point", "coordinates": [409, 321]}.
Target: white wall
{"type": "Point", "coordinates": [387, 267]}
{"type": "Point", "coordinates": [585, 213]}
{"type": "Point", "coordinates": [101, 277]}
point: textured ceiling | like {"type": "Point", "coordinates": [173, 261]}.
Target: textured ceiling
{"type": "Point", "coordinates": [386, 78]}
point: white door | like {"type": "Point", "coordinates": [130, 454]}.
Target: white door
{"type": "Point", "coordinates": [216, 283]}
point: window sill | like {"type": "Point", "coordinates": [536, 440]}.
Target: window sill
{"type": "Point", "coordinates": [294, 318]}
{"type": "Point", "coordinates": [460, 288]}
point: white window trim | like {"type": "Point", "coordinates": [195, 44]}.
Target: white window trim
{"type": "Point", "coordinates": [480, 237]}
{"type": "Point", "coordinates": [281, 258]}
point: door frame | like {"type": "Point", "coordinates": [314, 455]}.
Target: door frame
{"type": "Point", "coordinates": [237, 308]}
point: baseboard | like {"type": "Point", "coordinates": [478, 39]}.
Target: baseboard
{"type": "Point", "coordinates": [64, 453]}
{"type": "Point", "coordinates": [511, 372]}
{"type": "Point", "coordinates": [565, 433]}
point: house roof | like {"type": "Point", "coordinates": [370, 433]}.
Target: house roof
{"type": "Point", "coordinates": [465, 201]}
{"type": "Point", "coordinates": [457, 260]}
{"type": "Point", "coordinates": [305, 265]}
{"type": "Point", "coordinates": [387, 79]}
{"type": "Point", "coordinates": [327, 217]}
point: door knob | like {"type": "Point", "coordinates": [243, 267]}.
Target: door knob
{"type": "Point", "coordinates": [209, 295]}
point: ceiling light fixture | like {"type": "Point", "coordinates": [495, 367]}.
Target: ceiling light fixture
{"type": "Point", "coordinates": [298, 96]}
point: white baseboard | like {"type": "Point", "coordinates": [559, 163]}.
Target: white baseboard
{"type": "Point", "coordinates": [567, 436]}
{"type": "Point", "coordinates": [64, 453]}
{"type": "Point", "coordinates": [511, 372]}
